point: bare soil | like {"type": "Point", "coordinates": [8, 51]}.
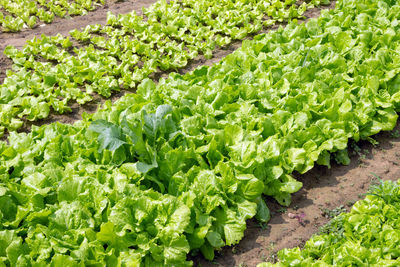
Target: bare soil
{"type": "Point", "coordinates": [324, 189]}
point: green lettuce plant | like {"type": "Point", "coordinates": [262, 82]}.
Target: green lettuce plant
{"type": "Point", "coordinates": [367, 235]}
{"type": "Point", "coordinates": [25, 13]}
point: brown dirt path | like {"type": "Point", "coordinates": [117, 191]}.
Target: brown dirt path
{"type": "Point", "coordinates": [324, 190]}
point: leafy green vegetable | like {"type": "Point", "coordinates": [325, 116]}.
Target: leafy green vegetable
{"type": "Point", "coordinates": [51, 73]}
{"type": "Point", "coordinates": [24, 13]}
{"type": "Point", "coordinates": [181, 165]}
{"type": "Point", "coordinates": [367, 235]}
{"type": "Point", "coordinates": [110, 136]}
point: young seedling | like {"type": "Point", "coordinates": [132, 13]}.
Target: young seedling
{"type": "Point", "coordinates": [327, 213]}
{"type": "Point", "coordinates": [395, 134]}
{"type": "Point", "coordinates": [282, 210]}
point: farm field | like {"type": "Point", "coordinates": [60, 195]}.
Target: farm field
{"type": "Point", "coordinates": [125, 51]}
{"type": "Point", "coordinates": [64, 26]}
{"type": "Point", "coordinates": [226, 162]}
{"type": "Point", "coordinates": [17, 15]}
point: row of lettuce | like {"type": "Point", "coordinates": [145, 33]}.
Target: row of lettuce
{"type": "Point", "coordinates": [369, 235]}
{"type": "Point", "coordinates": [180, 166]}
{"type": "Point", "coordinates": [17, 14]}
{"type": "Point", "coordinates": [53, 73]}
